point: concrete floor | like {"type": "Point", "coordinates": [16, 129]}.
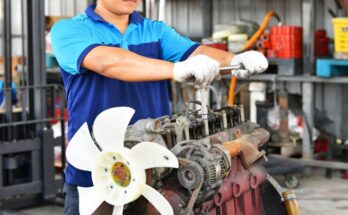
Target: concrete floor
{"type": "Point", "coordinates": [44, 210]}
{"type": "Point", "coordinates": [316, 195]}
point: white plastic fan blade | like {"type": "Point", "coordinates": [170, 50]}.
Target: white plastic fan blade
{"type": "Point", "coordinates": [89, 200]}
{"type": "Point", "coordinates": [157, 200]}
{"type": "Point", "coordinates": [110, 127]}
{"type": "Point", "coordinates": [151, 155]}
{"type": "Point", "coordinates": [118, 210]}
{"type": "Point", "coordinates": [81, 151]}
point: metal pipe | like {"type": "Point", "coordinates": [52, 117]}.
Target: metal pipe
{"type": "Point", "coordinates": [24, 72]}
{"type": "Point", "coordinates": [247, 146]}
{"type": "Point", "coordinates": [232, 67]}
{"type": "Point", "coordinates": [226, 70]}
{"type": "Point", "coordinates": [290, 202]}
{"type": "Point", "coordinates": [8, 64]}
{"type": "Point", "coordinates": [162, 10]}
{"type": "Point", "coordinates": [204, 111]}
{"type": "Point", "coordinates": [42, 87]}
{"type": "Point", "coordinates": [8, 59]}
{"type": "Point", "coordinates": [40, 121]}
{"type": "Point", "coordinates": [35, 58]}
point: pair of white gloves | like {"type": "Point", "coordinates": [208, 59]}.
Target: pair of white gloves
{"type": "Point", "coordinates": [203, 69]}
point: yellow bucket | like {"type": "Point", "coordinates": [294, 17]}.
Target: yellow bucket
{"type": "Point", "coordinates": [341, 34]}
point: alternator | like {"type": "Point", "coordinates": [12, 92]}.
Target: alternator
{"type": "Point", "coordinates": [208, 164]}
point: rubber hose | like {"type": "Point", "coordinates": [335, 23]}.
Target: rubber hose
{"type": "Point", "coordinates": [247, 46]}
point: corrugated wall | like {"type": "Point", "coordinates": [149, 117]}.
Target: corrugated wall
{"type": "Point", "coordinates": [52, 7]}
{"type": "Point", "coordinates": [64, 7]}
{"type": "Point", "coordinates": [16, 26]}
{"type": "Point", "coordinates": [188, 19]}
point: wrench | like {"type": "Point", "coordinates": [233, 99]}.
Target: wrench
{"type": "Point", "coordinates": [226, 70]}
{"type": "Point", "coordinates": [223, 71]}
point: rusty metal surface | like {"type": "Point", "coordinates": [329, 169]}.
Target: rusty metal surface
{"type": "Point", "coordinates": [175, 194]}
{"type": "Point", "coordinates": [209, 180]}
{"type": "Point", "coordinates": [247, 146]}
{"type": "Point", "coordinates": [239, 194]}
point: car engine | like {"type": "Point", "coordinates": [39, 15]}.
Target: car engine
{"type": "Point", "coordinates": [216, 170]}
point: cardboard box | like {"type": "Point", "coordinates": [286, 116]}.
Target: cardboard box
{"type": "Point", "coordinates": [16, 60]}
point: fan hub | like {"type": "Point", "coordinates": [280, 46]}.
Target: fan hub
{"type": "Point", "coordinates": [121, 174]}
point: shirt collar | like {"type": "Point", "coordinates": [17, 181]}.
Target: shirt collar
{"type": "Point", "coordinates": [135, 17]}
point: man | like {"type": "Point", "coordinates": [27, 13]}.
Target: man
{"type": "Point", "coordinates": [111, 56]}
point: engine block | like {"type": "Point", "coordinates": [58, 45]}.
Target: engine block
{"type": "Point", "coordinates": [205, 161]}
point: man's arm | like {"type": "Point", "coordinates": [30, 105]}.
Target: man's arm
{"type": "Point", "coordinates": [113, 62]}
{"type": "Point", "coordinates": [223, 57]}
{"type": "Point", "coordinates": [126, 66]}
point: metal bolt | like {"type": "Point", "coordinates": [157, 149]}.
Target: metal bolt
{"type": "Point", "coordinates": [182, 204]}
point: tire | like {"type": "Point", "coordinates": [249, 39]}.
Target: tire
{"type": "Point", "coordinates": [291, 182]}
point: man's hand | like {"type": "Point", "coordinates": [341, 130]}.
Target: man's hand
{"type": "Point", "coordinates": [201, 69]}
{"type": "Point", "coordinates": [253, 62]}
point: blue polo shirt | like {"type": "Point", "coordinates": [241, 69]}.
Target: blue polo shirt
{"type": "Point", "coordinates": [89, 93]}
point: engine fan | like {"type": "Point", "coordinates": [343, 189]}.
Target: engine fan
{"type": "Point", "coordinates": [118, 173]}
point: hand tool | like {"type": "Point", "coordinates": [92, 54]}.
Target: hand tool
{"type": "Point", "coordinates": [227, 69]}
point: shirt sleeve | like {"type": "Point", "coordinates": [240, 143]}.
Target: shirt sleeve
{"type": "Point", "coordinates": [71, 42]}
{"type": "Point", "coordinates": [174, 46]}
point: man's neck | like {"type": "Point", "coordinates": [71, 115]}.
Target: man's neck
{"type": "Point", "coordinates": [120, 21]}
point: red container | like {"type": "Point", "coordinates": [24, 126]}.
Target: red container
{"type": "Point", "coordinates": [321, 44]}
{"type": "Point", "coordinates": [287, 41]}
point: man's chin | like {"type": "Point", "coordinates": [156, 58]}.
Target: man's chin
{"type": "Point", "coordinates": [128, 10]}
{"type": "Point", "coordinates": [126, 13]}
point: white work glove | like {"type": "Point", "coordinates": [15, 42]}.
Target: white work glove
{"type": "Point", "coordinates": [201, 69]}
{"type": "Point", "coordinates": [252, 63]}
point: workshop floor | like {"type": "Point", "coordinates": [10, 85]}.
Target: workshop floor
{"type": "Point", "coordinates": [316, 195]}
